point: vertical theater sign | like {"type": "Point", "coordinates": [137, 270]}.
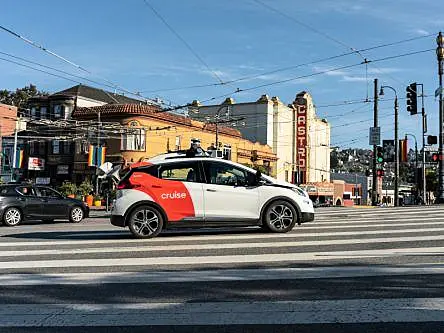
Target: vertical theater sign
{"type": "Point", "coordinates": [301, 141]}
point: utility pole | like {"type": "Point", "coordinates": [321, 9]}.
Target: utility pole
{"type": "Point", "coordinates": [440, 57]}
{"type": "Point", "coordinates": [375, 125]}
{"type": "Point", "coordinates": [396, 154]}
{"type": "Point", "coordinates": [424, 131]}
{"type": "Point", "coordinates": [97, 151]}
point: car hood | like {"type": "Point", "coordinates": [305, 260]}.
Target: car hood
{"type": "Point", "coordinates": [282, 183]}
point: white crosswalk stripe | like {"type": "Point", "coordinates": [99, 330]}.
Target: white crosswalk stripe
{"type": "Point", "coordinates": [341, 243]}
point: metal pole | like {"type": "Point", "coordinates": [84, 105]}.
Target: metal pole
{"type": "Point", "coordinates": [416, 162]}
{"type": "Point", "coordinates": [440, 56]}
{"type": "Point", "coordinates": [375, 124]}
{"type": "Point", "coordinates": [217, 137]}
{"type": "Point", "coordinates": [14, 157]}
{"type": "Point", "coordinates": [424, 131]}
{"type": "Point", "coordinates": [97, 150]}
{"type": "Point", "coordinates": [396, 154]}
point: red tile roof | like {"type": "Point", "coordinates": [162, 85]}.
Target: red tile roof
{"type": "Point", "coordinates": [149, 111]}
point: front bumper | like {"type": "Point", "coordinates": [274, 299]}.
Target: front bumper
{"type": "Point", "coordinates": [118, 220]}
{"type": "Point", "coordinates": [307, 217]}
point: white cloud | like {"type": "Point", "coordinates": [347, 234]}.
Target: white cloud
{"type": "Point", "coordinates": [347, 78]}
{"type": "Point", "coordinates": [421, 32]}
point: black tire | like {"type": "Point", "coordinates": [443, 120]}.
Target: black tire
{"type": "Point", "coordinates": [76, 214]}
{"type": "Point", "coordinates": [280, 216]}
{"type": "Point", "coordinates": [12, 217]}
{"type": "Point", "coordinates": [145, 222]}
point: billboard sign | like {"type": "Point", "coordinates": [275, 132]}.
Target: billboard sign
{"type": "Point", "coordinates": [35, 163]}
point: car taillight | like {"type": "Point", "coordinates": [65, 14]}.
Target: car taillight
{"type": "Point", "coordinates": [124, 184]}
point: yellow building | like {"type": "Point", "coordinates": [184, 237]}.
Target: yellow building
{"type": "Point", "coordinates": [147, 132]}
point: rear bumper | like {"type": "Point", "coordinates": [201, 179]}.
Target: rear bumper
{"type": "Point", "coordinates": [118, 220]}
{"type": "Point", "coordinates": [307, 217]}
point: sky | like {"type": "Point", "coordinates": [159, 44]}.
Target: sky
{"type": "Point", "coordinates": [180, 51]}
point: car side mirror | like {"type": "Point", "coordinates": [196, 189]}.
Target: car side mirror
{"type": "Point", "coordinates": [258, 176]}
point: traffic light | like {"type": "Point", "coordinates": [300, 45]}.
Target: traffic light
{"type": "Point", "coordinates": [379, 154]}
{"type": "Point", "coordinates": [412, 99]}
{"type": "Point", "coordinates": [435, 157]}
{"type": "Point", "coordinates": [380, 172]}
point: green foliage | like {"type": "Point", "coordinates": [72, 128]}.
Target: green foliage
{"type": "Point", "coordinates": [68, 188]}
{"type": "Point", "coordinates": [86, 187]}
{"type": "Point", "coordinates": [20, 96]}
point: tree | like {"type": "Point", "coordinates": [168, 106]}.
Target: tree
{"type": "Point", "coordinates": [20, 96]}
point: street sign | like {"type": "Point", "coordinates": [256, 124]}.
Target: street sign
{"type": "Point", "coordinates": [374, 136]}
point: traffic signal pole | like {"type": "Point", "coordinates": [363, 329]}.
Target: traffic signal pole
{"type": "Point", "coordinates": [375, 124]}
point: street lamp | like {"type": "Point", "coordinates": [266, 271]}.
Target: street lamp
{"type": "Point", "coordinates": [440, 57]}
{"type": "Point", "coordinates": [396, 143]}
{"type": "Point", "coordinates": [194, 107]}
{"type": "Point", "coordinates": [416, 161]}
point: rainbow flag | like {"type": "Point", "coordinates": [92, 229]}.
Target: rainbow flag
{"type": "Point", "coordinates": [96, 155]}
{"type": "Point", "coordinates": [100, 155]}
{"type": "Point", "coordinates": [92, 155]}
{"type": "Point", "coordinates": [18, 162]}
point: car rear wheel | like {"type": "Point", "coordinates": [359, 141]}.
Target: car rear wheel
{"type": "Point", "coordinates": [280, 216]}
{"type": "Point", "coordinates": [145, 222]}
{"type": "Point", "coordinates": [12, 217]}
{"type": "Point", "coordinates": [76, 214]}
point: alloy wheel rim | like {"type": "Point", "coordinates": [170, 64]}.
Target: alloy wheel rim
{"type": "Point", "coordinates": [12, 216]}
{"type": "Point", "coordinates": [77, 214]}
{"type": "Point", "coordinates": [280, 217]}
{"type": "Point", "coordinates": [146, 222]}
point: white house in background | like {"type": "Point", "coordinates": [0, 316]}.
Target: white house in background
{"type": "Point", "coordinates": [300, 140]}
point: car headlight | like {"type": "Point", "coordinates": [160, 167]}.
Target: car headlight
{"type": "Point", "coordinates": [300, 192]}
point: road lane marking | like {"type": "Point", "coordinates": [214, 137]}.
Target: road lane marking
{"type": "Point", "coordinates": [228, 259]}
{"type": "Point", "coordinates": [218, 275]}
{"type": "Point", "coordinates": [191, 247]}
{"type": "Point", "coordinates": [296, 233]}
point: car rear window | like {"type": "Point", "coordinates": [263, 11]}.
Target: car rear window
{"type": "Point", "coordinates": [7, 190]}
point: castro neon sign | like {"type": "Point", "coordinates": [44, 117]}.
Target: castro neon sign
{"type": "Point", "coordinates": [302, 137]}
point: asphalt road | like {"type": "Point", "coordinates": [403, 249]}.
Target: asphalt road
{"type": "Point", "coordinates": [366, 270]}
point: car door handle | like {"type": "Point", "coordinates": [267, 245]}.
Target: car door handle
{"type": "Point", "coordinates": [22, 199]}
{"type": "Point", "coordinates": [211, 190]}
{"type": "Point", "coordinates": [44, 200]}
{"type": "Point", "coordinates": [156, 186]}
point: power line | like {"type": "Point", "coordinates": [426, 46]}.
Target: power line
{"type": "Point", "coordinates": [116, 86]}
{"type": "Point", "coordinates": [55, 69]}
{"type": "Point", "coordinates": [188, 46]}
{"type": "Point", "coordinates": [316, 74]}
{"type": "Point", "coordinates": [283, 69]}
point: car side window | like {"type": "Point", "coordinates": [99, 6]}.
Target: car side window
{"type": "Point", "coordinates": [26, 190]}
{"type": "Point", "coordinates": [47, 192]}
{"type": "Point", "coordinates": [184, 172]}
{"type": "Point", "coordinates": [225, 174]}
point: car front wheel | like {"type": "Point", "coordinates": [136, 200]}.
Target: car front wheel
{"type": "Point", "coordinates": [76, 214]}
{"type": "Point", "coordinates": [280, 216]}
{"type": "Point", "coordinates": [12, 217]}
{"type": "Point", "coordinates": [145, 222]}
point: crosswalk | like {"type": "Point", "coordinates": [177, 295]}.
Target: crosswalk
{"type": "Point", "coordinates": [350, 265]}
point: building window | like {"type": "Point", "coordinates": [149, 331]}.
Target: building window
{"type": "Point", "coordinates": [33, 112]}
{"type": "Point", "coordinates": [134, 139]}
{"type": "Point", "coordinates": [65, 147]}
{"type": "Point", "coordinates": [227, 152]}
{"type": "Point", "coordinates": [55, 146]}
{"type": "Point", "coordinates": [57, 111]}
{"type": "Point", "coordinates": [43, 112]}
{"type": "Point", "coordinates": [286, 175]}
{"type": "Point", "coordinates": [178, 139]}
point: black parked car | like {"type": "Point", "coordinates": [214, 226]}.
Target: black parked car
{"type": "Point", "coordinates": [34, 202]}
